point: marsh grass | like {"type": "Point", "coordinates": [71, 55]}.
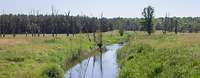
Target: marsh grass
{"type": "Point", "coordinates": [160, 56]}
{"type": "Point", "coordinates": [40, 57]}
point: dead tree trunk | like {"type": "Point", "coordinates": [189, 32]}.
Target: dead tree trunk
{"type": "Point", "coordinates": [26, 34]}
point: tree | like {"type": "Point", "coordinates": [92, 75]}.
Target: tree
{"type": "Point", "coordinates": [67, 22]}
{"type": "Point", "coordinates": [176, 26]}
{"type": "Point", "coordinates": [99, 31]}
{"type": "Point", "coordinates": [14, 23]}
{"type": "Point", "coordinates": [148, 15]}
{"type": "Point", "coordinates": [53, 21]}
{"type": "Point", "coordinates": [165, 24]}
{"type": "Point", "coordinates": [0, 26]}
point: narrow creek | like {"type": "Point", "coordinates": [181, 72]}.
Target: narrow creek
{"type": "Point", "coordinates": [100, 66]}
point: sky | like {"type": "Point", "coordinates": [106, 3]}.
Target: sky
{"type": "Point", "coordinates": [109, 8]}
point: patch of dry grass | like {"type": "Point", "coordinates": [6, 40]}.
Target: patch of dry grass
{"type": "Point", "coordinates": [14, 41]}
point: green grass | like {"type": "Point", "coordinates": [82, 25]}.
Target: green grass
{"type": "Point", "coordinates": [160, 56]}
{"type": "Point", "coordinates": [30, 57]}
{"type": "Point", "coordinates": [42, 57]}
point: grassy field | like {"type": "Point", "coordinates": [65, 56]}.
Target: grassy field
{"type": "Point", "coordinates": [40, 57]}
{"type": "Point", "coordinates": [160, 56]}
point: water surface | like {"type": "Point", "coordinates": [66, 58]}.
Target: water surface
{"type": "Point", "coordinates": [100, 66]}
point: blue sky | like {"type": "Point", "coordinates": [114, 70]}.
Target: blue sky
{"type": "Point", "coordinates": [110, 8]}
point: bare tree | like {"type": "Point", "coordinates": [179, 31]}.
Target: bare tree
{"type": "Point", "coordinates": [13, 24]}
{"type": "Point", "coordinates": [67, 22]}
{"type": "Point", "coordinates": [37, 23]}
{"type": "Point", "coordinates": [53, 19]}
{"type": "Point", "coordinates": [99, 31]}
{"type": "Point", "coordinates": [165, 24]}
{"type": "Point", "coordinates": [0, 28]}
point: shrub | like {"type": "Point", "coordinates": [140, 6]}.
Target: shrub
{"type": "Point", "coordinates": [53, 71]}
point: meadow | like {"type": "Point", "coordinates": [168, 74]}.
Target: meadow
{"type": "Point", "coordinates": [143, 56]}
{"type": "Point", "coordinates": [160, 56]}
{"type": "Point", "coordinates": [46, 57]}
{"type": "Point", "coordinates": [48, 39]}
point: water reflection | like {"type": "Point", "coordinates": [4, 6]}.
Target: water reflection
{"type": "Point", "coordinates": [103, 65]}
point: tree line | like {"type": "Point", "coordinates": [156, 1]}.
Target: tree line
{"type": "Point", "coordinates": [37, 25]}
{"type": "Point", "coordinates": [49, 24]}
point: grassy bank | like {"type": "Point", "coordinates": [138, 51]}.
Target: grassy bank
{"type": "Point", "coordinates": [160, 56]}
{"type": "Point", "coordinates": [40, 57]}
{"type": "Point", "coordinates": [37, 57]}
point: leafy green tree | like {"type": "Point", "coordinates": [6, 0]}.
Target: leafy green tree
{"type": "Point", "coordinates": [148, 15]}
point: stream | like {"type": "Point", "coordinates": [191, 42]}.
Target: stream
{"type": "Point", "coordinates": [100, 66]}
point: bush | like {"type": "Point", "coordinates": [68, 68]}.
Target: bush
{"type": "Point", "coordinates": [53, 71]}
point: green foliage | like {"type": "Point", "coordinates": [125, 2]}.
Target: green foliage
{"type": "Point", "coordinates": [148, 15]}
{"type": "Point", "coordinates": [53, 71]}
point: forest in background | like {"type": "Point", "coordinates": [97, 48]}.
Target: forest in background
{"type": "Point", "coordinates": [66, 24]}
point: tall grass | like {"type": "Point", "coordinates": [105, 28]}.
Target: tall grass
{"type": "Point", "coordinates": [35, 57]}
{"type": "Point", "coordinates": [160, 56]}
{"type": "Point", "coordinates": [40, 57]}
